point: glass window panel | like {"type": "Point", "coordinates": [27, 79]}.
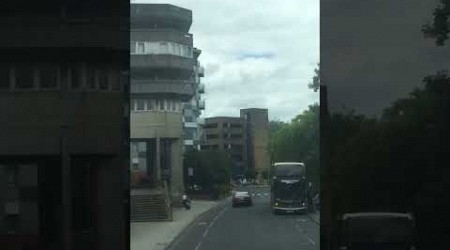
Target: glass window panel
{"type": "Point", "coordinates": [140, 104]}
{"type": "Point", "coordinates": [161, 104]}
{"type": "Point", "coordinates": [164, 49]}
{"type": "Point", "coordinates": [24, 76]}
{"type": "Point", "coordinates": [115, 80]}
{"type": "Point", "coordinates": [4, 76]}
{"type": "Point", "coordinates": [48, 77]}
{"type": "Point", "coordinates": [91, 78]}
{"type": "Point", "coordinates": [133, 47]}
{"type": "Point", "coordinates": [141, 48]}
{"type": "Point", "coordinates": [171, 48]}
{"type": "Point", "coordinates": [75, 77]}
{"type": "Point", "coordinates": [103, 79]}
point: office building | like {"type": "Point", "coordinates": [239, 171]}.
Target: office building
{"type": "Point", "coordinates": [64, 128]}
{"type": "Point", "coordinates": [256, 123]}
{"type": "Point", "coordinates": [163, 78]}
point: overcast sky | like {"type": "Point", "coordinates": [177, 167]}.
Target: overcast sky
{"type": "Point", "coordinates": [256, 54]}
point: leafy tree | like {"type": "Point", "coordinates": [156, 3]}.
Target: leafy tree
{"type": "Point", "coordinates": [210, 167]}
{"type": "Point", "coordinates": [298, 140]}
{"type": "Point", "coordinates": [398, 159]}
{"type": "Point", "coordinates": [439, 29]}
{"type": "Point", "coordinates": [315, 84]}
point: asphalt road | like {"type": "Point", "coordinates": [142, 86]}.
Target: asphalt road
{"type": "Point", "coordinates": [255, 227]}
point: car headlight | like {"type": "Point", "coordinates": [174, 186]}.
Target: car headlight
{"type": "Point", "coordinates": [276, 203]}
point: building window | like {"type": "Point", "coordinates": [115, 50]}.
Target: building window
{"type": "Point", "coordinates": [132, 47]}
{"type": "Point", "coordinates": [236, 136]}
{"type": "Point", "coordinates": [140, 104]}
{"type": "Point", "coordinates": [140, 48]}
{"type": "Point", "coordinates": [163, 48]}
{"type": "Point", "coordinates": [91, 78]}
{"type": "Point", "coordinates": [211, 125]}
{"type": "Point", "coordinates": [115, 80]}
{"type": "Point", "coordinates": [161, 105]}
{"type": "Point", "coordinates": [48, 77]}
{"type": "Point", "coordinates": [212, 136]}
{"type": "Point", "coordinates": [177, 49]}
{"type": "Point", "coordinates": [150, 104]}
{"type": "Point", "coordinates": [76, 76]}
{"type": "Point", "coordinates": [4, 76]}
{"type": "Point", "coordinates": [103, 79]}
{"type": "Point", "coordinates": [24, 76]}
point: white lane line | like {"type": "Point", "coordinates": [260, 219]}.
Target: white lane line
{"type": "Point", "coordinates": [202, 223]}
{"type": "Point", "coordinates": [310, 240]}
{"type": "Point", "coordinates": [306, 235]}
{"type": "Point", "coordinates": [206, 232]}
{"type": "Point", "coordinates": [214, 221]}
{"type": "Point", "coordinates": [198, 246]}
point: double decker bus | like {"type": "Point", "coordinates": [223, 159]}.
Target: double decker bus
{"type": "Point", "coordinates": [288, 187]}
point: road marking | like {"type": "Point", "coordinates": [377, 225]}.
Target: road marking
{"type": "Point", "coordinates": [198, 246]}
{"type": "Point", "coordinates": [266, 194]}
{"type": "Point", "coordinates": [202, 223]}
{"type": "Point", "coordinates": [206, 232]}
{"type": "Point", "coordinates": [310, 240]}
{"type": "Point", "coordinates": [306, 235]}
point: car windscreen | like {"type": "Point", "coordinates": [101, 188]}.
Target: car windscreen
{"type": "Point", "coordinates": [378, 230]}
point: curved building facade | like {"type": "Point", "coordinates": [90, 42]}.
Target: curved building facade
{"type": "Point", "coordinates": [162, 79]}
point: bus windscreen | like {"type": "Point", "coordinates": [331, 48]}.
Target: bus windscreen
{"type": "Point", "coordinates": [289, 170]}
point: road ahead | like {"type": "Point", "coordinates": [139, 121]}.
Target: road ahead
{"type": "Point", "coordinates": [227, 228]}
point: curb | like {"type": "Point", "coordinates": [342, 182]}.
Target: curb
{"type": "Point", "coordinates": [177, 237]}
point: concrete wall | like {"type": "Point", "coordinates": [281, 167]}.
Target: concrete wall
{"type": "Point", "coordinates": [100, 32]}
{"type": "Point", "coordinates": [31, 121]}
{"type": "Point", "coordinates": [149, 124]}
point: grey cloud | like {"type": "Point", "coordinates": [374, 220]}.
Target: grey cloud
{"type": "Point", "coordinates": [288, 32]}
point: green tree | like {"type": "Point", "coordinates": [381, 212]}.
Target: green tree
{"type": "Point", "coordinates": [439, 29]}
{"type": "Point", "coordinates": [210, 167]}
{"type": "Point", "coordinates": [315, 83]}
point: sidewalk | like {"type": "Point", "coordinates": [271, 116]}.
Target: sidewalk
{"type": "Point", "coordinates": [158, 235]}
{"type": "Point", "coordinates": [315, 216]}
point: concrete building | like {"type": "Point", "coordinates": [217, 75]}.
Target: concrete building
{"type": "Point", "coordinates": [163, 77]}
{"type": "Point", "coordinates": [256, 123]}
{"type": "Point", "coordinates": [192, 109]}
{"type": "Point", "coordinates": [225, 134]}
{"type": "Point", "coordinates": [63, 127]}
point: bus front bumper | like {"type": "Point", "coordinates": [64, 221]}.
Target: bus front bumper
{"type": "Point", "coordinates": [290, 209]}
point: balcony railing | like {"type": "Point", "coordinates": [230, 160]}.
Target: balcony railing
{"type": "Point", "coordinates": [201, 88]}
{"type": "Point", "coordinates": [161, 61]}
{"type": "Point", "coordinates": [201, 104]}
{"type": "Point", "coordinates": [201, 71]}
{"type": "Point", "coordinates": [162, 86]}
